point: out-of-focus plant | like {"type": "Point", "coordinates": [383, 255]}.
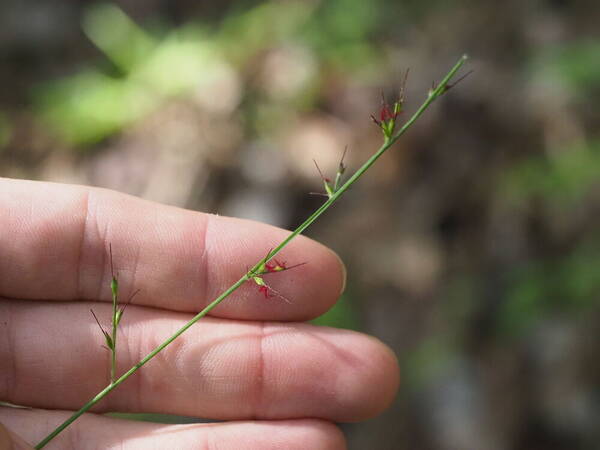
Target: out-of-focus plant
{"type": "Point", "coordinates": [562, 179]}
{"type": "Point", "coordinates": [146, 69]}
{"type": "Point", "coordinates": [541, 289]}
{"type": "Point", "coordinates": [5, 130]}
{"type": "Point", "coordinates": [576, 63]}
{"type": "Point", "coordinates": [93, 104]}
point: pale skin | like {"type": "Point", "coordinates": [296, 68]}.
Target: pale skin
{"type": "Point", "coordinates": [278, 383]}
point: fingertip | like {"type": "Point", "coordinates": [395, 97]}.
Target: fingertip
{"type": "Point", "coordinates": [338, 268]}
{"type": "Point", "coordinates": [331, 276]}
{"type": "Point", "coordinates": [324, 435]}
{"type": "Point", "coordinates": [384, 373]}
{"type": "Point", "coordinates": [343, 375]}
{"type": "Point", "coordinates": [372, 381]}
{"type": "Point", "coordinates": [298, 434]}
{"type": "Point", "coordinates": [181, 260]}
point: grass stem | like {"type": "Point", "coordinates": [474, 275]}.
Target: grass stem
{"type": "Point", "coordinates": [388, 142]}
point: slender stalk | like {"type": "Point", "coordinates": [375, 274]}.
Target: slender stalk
{"type": "Point", "coordinates": [114, 287]}
{"type": "Point", "coordinates": [433, 95]}
{"type": "Point", "coordinates": [113, 362]}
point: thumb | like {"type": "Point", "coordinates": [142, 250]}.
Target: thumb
{"type": "Point", "coordinates": [10, 441]}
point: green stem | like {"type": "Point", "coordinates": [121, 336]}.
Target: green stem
{"type": "Point", "coordinates": [113, 362]}
{"type": "Point", "coordinates": [336, 195]}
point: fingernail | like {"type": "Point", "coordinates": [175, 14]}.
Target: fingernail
{"type": "Point", "coordinates": [344, 273]}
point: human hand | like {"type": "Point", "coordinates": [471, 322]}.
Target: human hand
{"type": "Point", "coordinates": [279, 383]}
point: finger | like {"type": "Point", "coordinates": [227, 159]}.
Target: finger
{"type": "Point", "coordinates": [218, 369]}
{"type": "Point", "coordinates": [92, 432]}
{"type": "Point", "coordinates": [55, 240]}
{"type": "Point", "coordinates": [10, 441]}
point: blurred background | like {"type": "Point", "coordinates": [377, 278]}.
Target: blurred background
{"type": "Point", "coordinates": [472, 248]}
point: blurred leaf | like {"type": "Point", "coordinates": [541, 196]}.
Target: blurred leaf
{"type": "Point", "coordinates": [182, 62]}
{"type": "Point", "coordinates": [121, 39]}
{"type": "Point", "coordinates": [90, 105]}
{"type": "Point", "coordinates": [243, 34]}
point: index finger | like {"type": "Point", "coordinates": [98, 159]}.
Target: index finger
{"type": "Point", "coordinates": [54, 242]}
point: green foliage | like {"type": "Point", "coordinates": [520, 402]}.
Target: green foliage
{"type": "Point", "coordinates": [576, 63]}
{"type": "Point", "coordinates": [340, 32]}
{"type": "Point", "coordinates": [123, 42]}
{"type": "Point", "coordinates": [95, 103]}
{"type": "Point", "coordinates": [569, 285]}
{"type": "Point", "coordinates": [264, 26]}
{"type": "Point", "coordinates": [561, 180]}
{"type": "Point", "coordinates": [92, 105]}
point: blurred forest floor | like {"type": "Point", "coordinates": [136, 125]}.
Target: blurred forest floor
{"type": "Point", "coordinates": [472, 248]}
